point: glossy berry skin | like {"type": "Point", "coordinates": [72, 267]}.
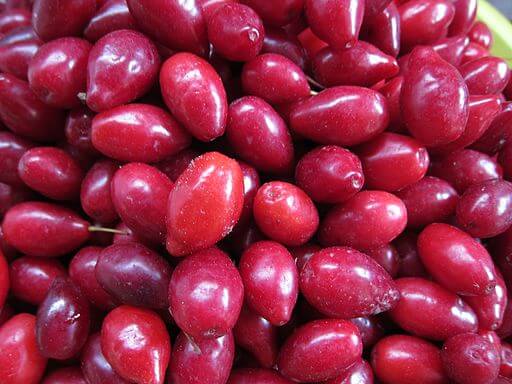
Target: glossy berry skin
{"type": "Point", "coordinates": [256, 335]}
{"type": "Point", "coordinates": [279, 42]}
{"type": "Point", "coordinates": [69, 375]}
{"type": "Point", "coordinates": [506, 359]}
{"type": "Point", "coordinates": [482, 111]}
{"type": "Point", "coordinates": [451, 48]}
{"type": "Point", "coordinates": [429, 200]}
{"type": "Point", "coordinates": [15, 57]}
{"type": "Point", "coordinates": [20, 360]}
{"type": "Point", "coordinates": [329, 174]}
{"type": "Point", "coordinates": [236, 32]}
{"type": "Point", "coordinates": [423, 22]}
{"type": "Point", "coordinates": [52, 172]}
{"type": "Point", "coordinates": [63, 320]}
{"type": "Point", "coordinates": [251, 185]}
{"type": "Point", "coordinates": [175, 165]}
{"type": "Point", "coordinates": [360, 372]}
{"type": "Point", "coordinates": [319, 350]}
{"type": "Point", "coordinates": [403, 359]}
{"type": "Point", "coordinates": [43, 229]}
{"type": "Point", "coordinates": [111, 16]}
{"type": "Point", "coordinates": [10, 196]}
{"type": "Point", "coordinates": [138, 132]}
{"type": "Point", "coordinates": [276, 14]}
{"type": "Point", "coordinates": [456, 260]}
{"type": "Point", "coordinates": [430, 311]}
{"type": "Point", "coordinates": [95, 195]}
{"type": "Point", "coordinates": [208, 268]}
{"type": "Point", "coordinates": [82, 271]}
{"type": "Point", "coordinates": [31, 278]}
{"type": "Point", "coordinates": [485, 209]}
{"type": "Point", "coordinates": [367, 220]}
{"type": "Point", "coordinates": [472, 52]}
{"type": "Point", "coordinates": [481, 34]}
{"type": "Point", "coordinates": [274, 78]}
{"type": "Point", "coordinates": [201, 361]}
{"type": "Point", "coordinates": [259, 135]}
{"type": "Point", "coordinates": [434, 99]}
{"type": "Point", "coordinates": [135, 275]}
{"type": "Point", "coordinates": [337, 22]}
{"type": "Point", "coordinates": [204, 204]}
{"type": "Point", "coordinates": [52, 19]}
{"type": "Point", "coordinates": [95, 367]}
{"type": "Point", "coordinates": [136, 361]}
{"type": "Point", "coordinates": [270, 280]}
{"type": "Point", "coordinates": [13, 18]}
{"type": "Point", "coordinates": [343, 116]}
{"type": "Point", "coordinates": [285, 213]}
{"type": "Point", "coordinates": [66, 57]}
{"type": "Point", "coordinates": [333, 282]}
{"type": "Point", "coordinates": [498, 134]}
{"type": "Point", "coordinates": [199, 102]}
{"type": "Point", "coordinates": [486, 76]}
{"type": "Point", "coordinates": [78, 129]}
{"type": "Point", "coordinates": [24, 114]}
{"type": "Point", "coordinates": [490, 309]}
{"type": "Point", "coordinates": [370, 328]}
{"type": "Point", "coordinates": [363, 65]}
{"type": "Point", "coordinates": [139, 193]}
{"type": "Point", "coordinates": [122, 67]}
{"type": "Point", "coordinates": [392, 162]}
{"type": "Point", "coordinates": [465, 14]}
{"type": "Point", "coordinates": [505, 160]}
{"type": "Point", "coordinates": [186, 33]}
{"type": "Point", "coordinates": [387, 257]}
{"type": "Point", "coordinates": [383, 29]}
{"type": "Point", "coordinates": [467, 167]}
{"type": "Point", "coordinates": [469, 358]}
{"type": "Point", "coordinates": [12, 148]}
{"type": "Point", "coordinates": [256, 376]}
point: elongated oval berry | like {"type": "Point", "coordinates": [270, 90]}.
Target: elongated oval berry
{"type": "Point", "coordinates": [362, 65]}
{"type": "Point", "coordinates": [138, 132]}
{"type": "Point", "coordinates": [342, 116]}
{"type": "Point", "coordinates": [122, 67]}
{"type": "Point", "coordinates": [383, 29]}
{"type": "Point", "coordinates": [465, 14]}
{"type": "Point", "coordinates": [78, 129]}
{"type": "Point", "coordinates": [320, 350]}
{"type": "Point", "coordinates": [12, 148]}
{"type": "Point", "coordinates": [20, 360]}
{"type": "Point", "coordinates": [367, 220]}
{"type": "Point", "coordinates": [430, 200]}
{"type": "Point", "coordinates": [134, 275]}
{"type": "Point", "coordinates": [201, 360]}
{"type": "Point", "coordinates": [139, 193]}
{"type": "Point", "coordinates": [187, 32]}
{"type": "Point", "coordinates": [259, 135]}
{"type": "Point", "coordinates": [472, 52]}
{"type": "Point", "coordinates": [67, 57]}
{"type": "Point", "coordinates": [434, 99]}
{"type": "Point", "coordinates": [95, 194]}
{"type": "Point", "coordinates": [52, 172]}
{"type": "Point", "coordinates": [337, 22]}
{"type": "Point", "coordinates": [279, 42]}
{"type": "Point", "coordinates": [95, 367]}
{"type": "Point", "coordinates": [285, 213]}
{"type": "Point", "coordinates": [344, 283]}
{"type": "Point", "coordinates": [481, 34]}
{"type": "Point", "coordinates": [31, 278]}
{"type": "Point", "coordinates": [43, 229]}
{"type": "Point", "coordinates": [256, 376]}
{"type": "Point", "coordinates": [275, 79]}
{"type": "Point", "coordinates": [63, 320]}
{"type": "Point", "coordinates": [15, 57]}
{"type": "Point", "coordinates": [451, 48]}
{"type": "Point", "coordinates": [24, 114]}
{"type": "Point", "coordinates": [195, 95]}
{"type": "Point", "coordinates": [360, 372]}
{"type": "Point", "coordinates": [498, 134]}
{"type": "Point", "coordinates": [270, 280]}
{"type": "Point", "coordinates": [428, 310]}
{"type": "Point", "coordinates": [206, 294]}
{"type": "Point", "coordinates": [456, 260]}
{"type": "Point", "coordinates": [82, 270]}
{"type": "Point", "coordinates": [392, 162]}
{"type": "Point", "coordinates": [486, 76]}
{"type": "Point", "coordinates": [111, 16]}
{"type": "Point", "coordinates": [469, 358]}
{"type": "Point", "coordinates": [403, 359]}
{"type": "Point", "coordinates": [423, 22]}
{"type": "Point", "coordinates": [136, 344]}
{"type": "Point", "coordinates": [204, 204]}
{"type": "Point", "coordinates": [11, 19]}
{"type": "Point", "coordinates": [52, 19]}
{"type": "Point", "coordinates": [485, 209]}
{"type": "Point", "coordinates": [256, 335]}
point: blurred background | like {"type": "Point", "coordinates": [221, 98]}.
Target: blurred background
{"type": "Point", "coordinates": [504, 6]}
